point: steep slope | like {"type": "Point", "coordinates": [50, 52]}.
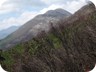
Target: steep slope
{"type": "Point", "coordinates": [68, 47]}
{"type": "Point", "coordinates": [4, 33]}
{"type": "Point", "coordinates": [32, 27]}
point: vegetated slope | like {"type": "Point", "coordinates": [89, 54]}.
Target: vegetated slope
{"type": "Point", "coordinates": [32, 27]}
{"type": "Point", "coordinates": [4, 33]}
{"type": "Point", "coordinates": [69, 47]}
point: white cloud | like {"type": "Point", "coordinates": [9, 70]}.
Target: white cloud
{"type": "Point", "coordinates": [70, 6]}
{"type": "Point", "coordinates": [2, 1]}
{"type": "Point", "coordinates": [74, 5]}
{"type": "Point", "coordinates": [13, 5]}
{"type": "Point", "coordinates": [26, 16]}
{"type": "Point", "coordinates": [4, 8]}
{"type": "Point", "coordinates": [53, 1]}
{"type": "Point", "coordinates": [19, 5]}
{"type": "Point", "coordinates": [23, 18]}
{"type": "Point", "coordinates": [52, 7]}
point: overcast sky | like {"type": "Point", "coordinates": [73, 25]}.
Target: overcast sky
{"type": "Point", "coordinates": [17, 12]}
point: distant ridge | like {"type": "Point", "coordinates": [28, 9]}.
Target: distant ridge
{"type": "Point", "coordinates": [4, 33]}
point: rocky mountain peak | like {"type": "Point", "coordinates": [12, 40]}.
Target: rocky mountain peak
{"type": "Point", "coordinates": [57, 12]}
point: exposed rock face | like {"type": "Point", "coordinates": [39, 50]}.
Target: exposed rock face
{"type": "Point", "coordinates": [69, 47]}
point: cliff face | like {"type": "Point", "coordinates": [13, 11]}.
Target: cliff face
{"type": "Point", "coordinates": [68, 47]}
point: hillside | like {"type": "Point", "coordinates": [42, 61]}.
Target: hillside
{"type": "Point", "coordinates": [70, 46]}
{"type": "Point", "coordinates": [32, 27]}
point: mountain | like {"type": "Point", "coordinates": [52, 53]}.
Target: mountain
{"type": "Point", "coordinates": [69, 46]}
{"type": "Point", "coordinates": [58, 12]}
{"type": "Point", "coordinates": [32, 27]}
{"type": "Point", "coordinates": [4, 33]}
